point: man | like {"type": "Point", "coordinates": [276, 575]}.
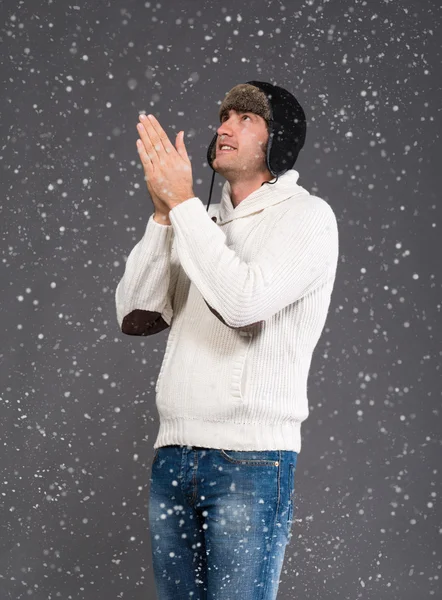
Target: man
{"type": "Point", "coordinates": [245, 291]}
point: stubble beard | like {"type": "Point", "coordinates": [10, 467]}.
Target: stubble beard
{"type": "Point", "coordinates": [228, 170]}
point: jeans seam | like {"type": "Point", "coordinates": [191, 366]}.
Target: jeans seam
{"type": "Point", "coordinates": [195, 484]}
{"type": "Point", "coordinates": [275, 520]}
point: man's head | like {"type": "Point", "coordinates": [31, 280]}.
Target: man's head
{"type": "Point", "coordinates": [244, 117]}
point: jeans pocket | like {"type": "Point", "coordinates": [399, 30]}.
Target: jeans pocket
{"type": "Point", "coordinates": [155, 455]}
{"type": "Point", "coordinates": [267, 458]}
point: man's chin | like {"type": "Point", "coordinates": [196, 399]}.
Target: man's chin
{"type": "Point", "coordinates": [219, 168]}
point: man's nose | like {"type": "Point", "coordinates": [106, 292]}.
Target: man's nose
{"type": "Point", "coordinates": [224, 129]}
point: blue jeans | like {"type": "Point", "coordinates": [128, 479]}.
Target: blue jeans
{"type": "Point", "coordinates": [220, 521]}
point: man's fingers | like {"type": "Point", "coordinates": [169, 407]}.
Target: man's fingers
{"type": "Point", "coordinates": [157, 136]}
{"type": "Point", "coordinates": [150, 153]}
{"type": "Point", "coordinates": [145, 160]}
{"type": "Point", "coordinates": [144, 156]}
{"type": "Point", "coordinates": [144, 138]}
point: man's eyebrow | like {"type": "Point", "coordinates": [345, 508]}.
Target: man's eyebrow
{"type": "Point", "coordinates": [242, 112]}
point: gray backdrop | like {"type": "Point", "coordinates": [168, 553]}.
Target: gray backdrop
{"type": "Point", "coordinates": [78, 416]}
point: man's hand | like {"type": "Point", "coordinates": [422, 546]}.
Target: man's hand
{"type": "Point", "coordinates": [168, 169]}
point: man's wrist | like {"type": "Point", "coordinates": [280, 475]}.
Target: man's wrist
{"type": "Point", "coordinates": [161, 219]}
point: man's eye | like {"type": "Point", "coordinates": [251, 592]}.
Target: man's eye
{"type": "Point", "coordinates": [224, 118]}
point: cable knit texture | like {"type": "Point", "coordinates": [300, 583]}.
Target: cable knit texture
{"type": "Point", "coordinates": [246, 299]}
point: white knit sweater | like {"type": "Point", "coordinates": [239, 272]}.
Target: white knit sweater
{"type": "Point", "coordinates": [246, 299]}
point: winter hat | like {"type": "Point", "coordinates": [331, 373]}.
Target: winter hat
{"type": "Point", "coordinates": [284, 116]}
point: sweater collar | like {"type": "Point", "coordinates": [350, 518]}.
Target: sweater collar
{"type": "Point", "coordinates": [263, 197]}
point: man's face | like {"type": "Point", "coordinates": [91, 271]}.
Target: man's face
{"type": "Point", "coordinates": [248, 134]}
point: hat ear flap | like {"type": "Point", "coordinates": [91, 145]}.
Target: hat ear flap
{"type": "Point", "coordinates": [289, 127]}
{"type": "Point", "coordinates": [211, 152]}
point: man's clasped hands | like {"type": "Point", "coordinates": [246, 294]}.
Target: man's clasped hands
{"type": "Point", "coordinates": [167, 170]}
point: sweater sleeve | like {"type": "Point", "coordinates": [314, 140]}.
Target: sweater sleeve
{"type": "Point", "coordinates": [295, 257]}
{"type": "Point", "coordinates": [144, 295]}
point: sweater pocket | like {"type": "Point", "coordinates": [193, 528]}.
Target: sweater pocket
{"type": "Point", "coordinates": [204, 374]}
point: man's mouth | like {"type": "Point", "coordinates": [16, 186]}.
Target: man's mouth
{"type": "Point", "coordinates": [226, 148]}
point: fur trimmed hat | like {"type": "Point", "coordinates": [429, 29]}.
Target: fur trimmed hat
{"type": "Point", "coordinates": [245, 97]}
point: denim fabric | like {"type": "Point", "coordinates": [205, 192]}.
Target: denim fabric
{"type": "Point", "coordinates": [220, 521]}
